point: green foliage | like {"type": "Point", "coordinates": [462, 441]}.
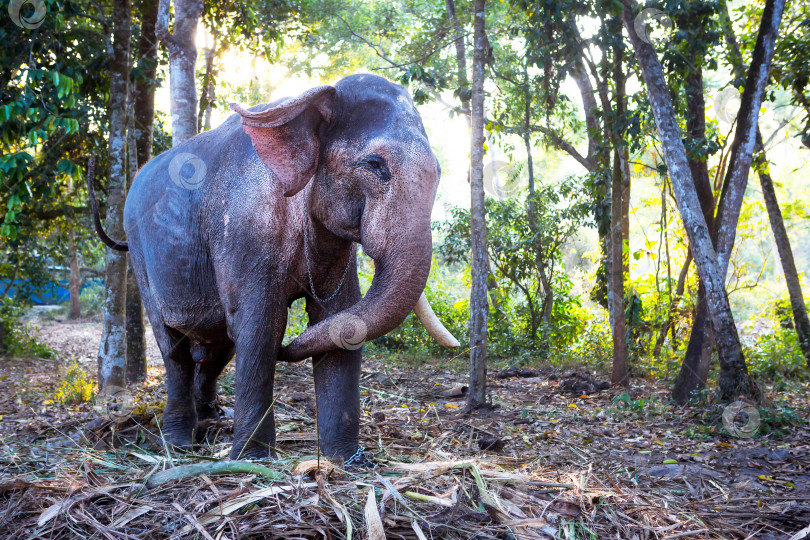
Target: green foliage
{"type": "Point", "coordinates": [625, 402]}
{"type": "Point", "coordinates": [528, 275]}
{"type": "Point", "coordinates": [18, 341]}
{"type": "Point", "coordinates": [777, 356]}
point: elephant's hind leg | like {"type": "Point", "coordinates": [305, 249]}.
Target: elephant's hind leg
{"type": "Point", "coordinates": [214, 360]}
{"type": "Point", "coordinates": [179, 414]}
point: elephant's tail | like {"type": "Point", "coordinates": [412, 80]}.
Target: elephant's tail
{"type": "Point", "coordinates": [113, 244]}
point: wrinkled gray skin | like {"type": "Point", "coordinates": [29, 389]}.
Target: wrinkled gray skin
{"type": "Point", "coordinates": [219, 265]}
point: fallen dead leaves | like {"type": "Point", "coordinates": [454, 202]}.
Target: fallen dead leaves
{"type": "Point", "coordinates": [554, 459]}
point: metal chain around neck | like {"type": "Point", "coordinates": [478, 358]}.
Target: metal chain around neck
{"type": "Point", "coordinates": [309, 272]}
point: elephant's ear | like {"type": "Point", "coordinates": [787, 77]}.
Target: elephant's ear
{"type": "Point", "coordinates": [285, 135]}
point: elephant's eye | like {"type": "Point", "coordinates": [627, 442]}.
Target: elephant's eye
{"type": "Point", "coordinates": [377, 165]}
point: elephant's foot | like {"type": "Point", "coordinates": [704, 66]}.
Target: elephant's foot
{"type": "Point", "coordinates": [253, 450]}
{"type": "Point", "coordinates": [178, 426]}
{"type": "Point", "coordinates": [339, 447]}
{"type": "Point", "coordinates": [208, 411]}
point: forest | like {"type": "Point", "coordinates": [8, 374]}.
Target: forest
{"type": "Point", "coordinates": [406, 269]}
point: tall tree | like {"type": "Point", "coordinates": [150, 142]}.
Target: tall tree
{"type": "Point", "coordinates": [711, 271]}
{"type": "Point", "coordinates": [182, 59]}
{"type": "Point", "coordinates": [112, 354]}
{"type": "Point", "coordinates": [479, 305]}
{"type": "Point", "coordinates": [801, 321]}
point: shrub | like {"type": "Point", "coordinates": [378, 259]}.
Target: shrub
{"type": "Point", "coordinates": [75, 386]}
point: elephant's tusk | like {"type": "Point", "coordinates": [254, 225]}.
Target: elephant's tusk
{"type": "Point", "coordinates": [432, 324]}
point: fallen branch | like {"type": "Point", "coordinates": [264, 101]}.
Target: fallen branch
{"type": "Point", "coordinates": [213, 468]}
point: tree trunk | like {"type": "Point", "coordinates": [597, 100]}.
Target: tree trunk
{"type": "Point", "coordinates": [794, 286]}
{"type": "Point", "coordinates": [461, 59]}
{"type": "Point", "coordinates": [140, 151]}
{"type": "Point", "coordinates": [616, 236]}
{"type": "Point", "coordinates": [182, 59]}
{"type": "Point", "coordinates": [800, 318]}
{"type": "Point", "coordinates": [478, 294]}
{"type": "Point", "coordinates": [75, 283]}
{"type": "Point", "coordinates": [728, 341]}
{"type": "Point", "coordinates": [208, 89]}
{"type": "Point", "coordinates": [136, 336]}
{"type": "Point", "coordinates": [112, 354]}
{"type": "Point", "coordinates": [616, 278]}
{"type": "Point", "coordinates": [547, 305]}
{"type": "Point", "coordinates": [697, 358]}
{"type": "Point", "coordinates": [730, 204]}
{"type": "Point", "coordinates": [742, 153]}
{"type": "Point", "coordinates": [144, 91]}
{"type": "Point", "coordinates": [673, 304]}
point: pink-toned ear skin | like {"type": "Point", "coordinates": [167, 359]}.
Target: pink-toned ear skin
{"type": "Point", "coordinates": [285, 136]}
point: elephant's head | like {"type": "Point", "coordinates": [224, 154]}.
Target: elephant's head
{"type": "Point", "coordinates": [362, 144]}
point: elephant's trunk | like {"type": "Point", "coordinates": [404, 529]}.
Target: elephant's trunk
{"type": "Point", "coordinates": [402, 270]}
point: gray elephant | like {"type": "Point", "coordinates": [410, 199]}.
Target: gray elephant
{"type": "Point", "coordinates": [226, 230]}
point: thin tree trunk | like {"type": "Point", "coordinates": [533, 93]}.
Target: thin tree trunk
{"type": "Point", "coordinates": [461, 59]}
{"type": "Point", "coordinates": [616, 237]}
{"type": "Point", "coordinates": [616, 278]}
{"type": "Point", "coordinates": [182, 59]}
{"type": "Point", "coordinates": [208, 88]}
{"type": "Point", "coordinates": [75, 283]}
{"type": "Point", "coordinates": [112, 354]}
{"type": "Point", "coordinates": [662, 335]}
{"type": "Point", "coordinates": [11, 281]}
{"type": "Point", "coordinates": [478, 294]}
{"type": "Point", "coordinates": [710, 271]}
{"type": "Point", "coordinates": [547, 306]}
{"type": "Point", "coordinates": [800, 319]}
{"type": "Point", "coordinates": [794, 286]}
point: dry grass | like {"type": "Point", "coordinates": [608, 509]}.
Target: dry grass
{"type": "Point", "coordinates": [557, 466]}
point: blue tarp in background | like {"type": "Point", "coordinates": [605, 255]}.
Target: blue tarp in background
{"type": "Point", "coordinates": [54, 292]}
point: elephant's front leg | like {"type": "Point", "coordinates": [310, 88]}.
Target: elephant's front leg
{"type": "Point", "coordinates": [337, 388]}
{"type": "Point", "coordinates": [337, 373]}
{"type": "Point", "coordinates": [257, 334]}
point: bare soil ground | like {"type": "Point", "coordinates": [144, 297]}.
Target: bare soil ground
{"type": "Point", "coordinates": [560, 456]}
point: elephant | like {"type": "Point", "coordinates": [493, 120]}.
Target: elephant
{"type": "Point", "coordinates": [227, 229]}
